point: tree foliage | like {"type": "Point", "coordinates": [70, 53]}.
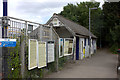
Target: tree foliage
{"type": "Point", "coordinates": [105, 22]}
{"type": "Point", "coordinates": [111, 22]}
{"type": "Point", "coordinates": [14, 62]}
{"type": "Point", "coordinates": [79, 13]}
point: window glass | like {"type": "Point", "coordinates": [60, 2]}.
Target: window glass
{"type": "Point", "coordinates": [55, 20]}
{"type": "Point", "coordinates": [55, 23]}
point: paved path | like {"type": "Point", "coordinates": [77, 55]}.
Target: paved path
{"type": "Point", "coordinates": [101, 65]}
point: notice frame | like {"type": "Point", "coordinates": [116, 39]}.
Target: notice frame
{"type": "Point", "coordinates": [68, 47]}
{"type": "Point", "coordinates": [50, 58]}
{"type": "Point", "coordinates": [29, 52]}
{"type": "Point", "coordinates": [38, 58]}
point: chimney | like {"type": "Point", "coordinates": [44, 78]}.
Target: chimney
{"type": "Point", "coordinates": [54, 14]}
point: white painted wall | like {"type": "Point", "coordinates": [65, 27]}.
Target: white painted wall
{"type": "Point", "coordinates": [86, 48]}
{"type": "Point", "coordinates": [92, 49]}
{"type": "Point", "coordinates": [94, 45]}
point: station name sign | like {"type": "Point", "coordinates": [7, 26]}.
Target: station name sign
{"type": "Point", "coordinates": [7, 42]}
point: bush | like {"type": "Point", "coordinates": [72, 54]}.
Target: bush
{"type": "Point", "coordinates": [62, 61]}
{"type": "Point", "coordinates": [51, 66]}
{"type": "Point", "coordinates": [114, 48]}
{"type": "Point", "coordinates": [14, 62]}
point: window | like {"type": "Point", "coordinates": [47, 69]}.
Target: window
{"type": "Point", "coordinates": [55, 23]}
{"type": "Point", "coordinates": [55, 19]}
{"type": "Point", "coordinates": [45, 34]}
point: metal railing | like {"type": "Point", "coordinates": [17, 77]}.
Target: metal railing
{"type": "Point", "coordinates": [18, 27]}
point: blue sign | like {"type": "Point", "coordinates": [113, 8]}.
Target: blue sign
{"type": "Point", "coordinates": [7, 42]}
{"type": "Point", "coordinates": [61, 39]}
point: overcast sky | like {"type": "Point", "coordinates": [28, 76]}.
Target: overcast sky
{"type": "Point", "coordinates": [37, 10]}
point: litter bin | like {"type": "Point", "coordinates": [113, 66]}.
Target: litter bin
{"type": "Point", "coordinates": [118, 65]}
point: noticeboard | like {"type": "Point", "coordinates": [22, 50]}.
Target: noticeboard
{"type": "Point", "coordinates": [68, 47]}
{"type": "Point", "coordinates": [32, 57]}
{"type": "Point", "coordinates": [42, 54]}
{"type": "Point", "coordinates": [50, 51]}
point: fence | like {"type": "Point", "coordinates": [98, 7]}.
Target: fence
{"type": "Point", "coordinates": [17, 59]}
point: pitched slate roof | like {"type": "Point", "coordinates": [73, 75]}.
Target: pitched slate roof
{"type": "Point", "coordinates": [63, 32]}
{"type": "Point", "coordinates": [74, 27]}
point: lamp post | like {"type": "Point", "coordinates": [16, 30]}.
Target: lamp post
{"type": "Point", "coordinates": [4, 29]}
{"type": "Point", "coordinates": [89, 32]}
{"type": "Point", "coordinates": [4, 35]}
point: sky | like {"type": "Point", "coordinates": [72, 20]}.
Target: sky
{"type": "Point", "coordinates": [37, 10]}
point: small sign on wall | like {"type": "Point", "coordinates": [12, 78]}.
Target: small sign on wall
{"type": "Point", "coordinates": [7, 42]}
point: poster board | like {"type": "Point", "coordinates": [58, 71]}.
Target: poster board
{"type": "Point", "coordinates": [50, 51]}
{"type": "Point", "coordinates": [61, 47]}
{"type": "Point", "coordinates": [42, 62]}
{"type": "Point", "coordinates": [32, 57]}
{"type": "Point", "coordinates": [68, 47]}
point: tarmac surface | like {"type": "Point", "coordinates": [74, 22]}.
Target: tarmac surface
{"type": "Point", "coordinates": [101, 65]}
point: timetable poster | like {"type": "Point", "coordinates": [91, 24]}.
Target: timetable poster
{"type": "Point", "coordinates": [32, 57]}
{"type": "Point", "coordinates": [41, 54]}
{"type": "Point", "coordinates": [51, 54]}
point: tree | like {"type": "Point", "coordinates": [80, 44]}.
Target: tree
{"type": "Point", "coordinates": [105, 23]}
{"type": "Point", "coordinates": [111, 12]}
{"type": "Point", "coordinates": [79, 13]}
{"type": "Point", "coordinates": [70, 12]}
